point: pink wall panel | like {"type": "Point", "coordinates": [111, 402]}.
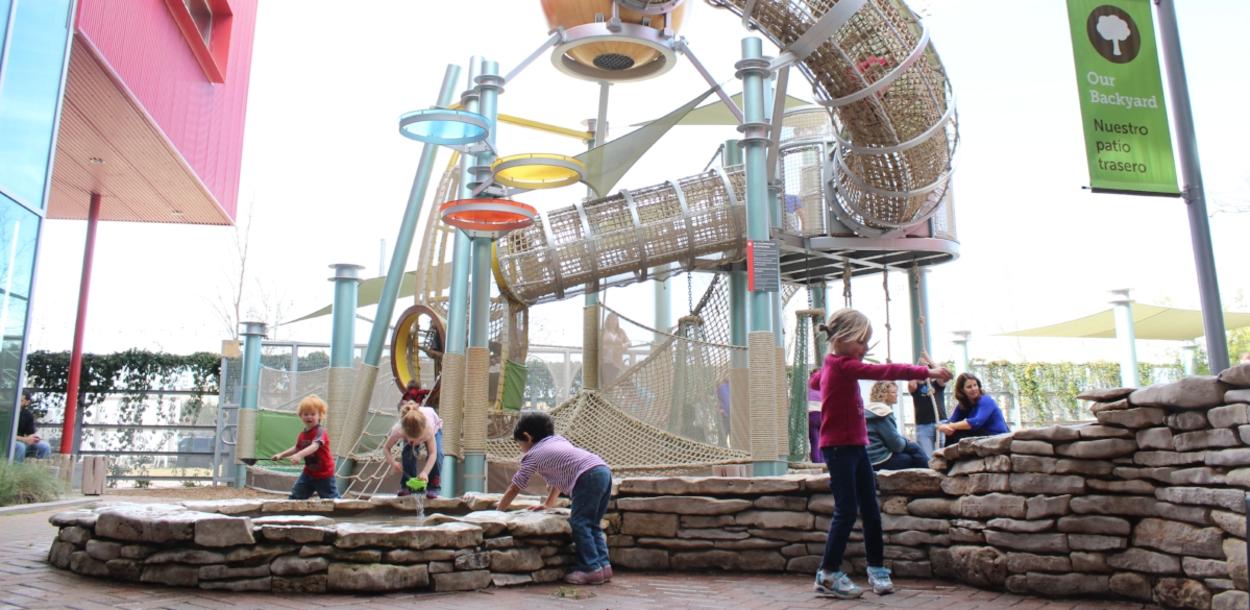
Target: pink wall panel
{"type": "Point", "coordinates": [143, 45]}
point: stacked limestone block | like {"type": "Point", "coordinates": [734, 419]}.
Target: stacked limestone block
{"type": "Point", "coordinates": [262, 546]}
{"type": "Point", "coordinates": [1148, 503]}
{"type": "Point", "coordinates": [723, 523]}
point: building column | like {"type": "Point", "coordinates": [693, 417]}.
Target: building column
{"type": "Point", "coordinates": [68, 429]}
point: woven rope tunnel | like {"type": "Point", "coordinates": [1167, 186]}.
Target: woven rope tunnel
{"type": "Point", "coordinates": [883, 82]}
{"type": "Point", "coordinates": [613, 241]}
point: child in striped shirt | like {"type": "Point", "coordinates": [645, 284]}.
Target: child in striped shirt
{"type": "Point", "coordinates": [582, 475]}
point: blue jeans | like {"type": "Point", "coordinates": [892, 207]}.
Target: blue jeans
{"type": "Point", "coordinates": [305, 485]}
{"type": "Point", "coordinates": [590, 501]}
{"type": "Point", "coordinates": [854, 486]}
{"type": "Point", "coordinates": [924, 437]}
{"type": "Point", "coordinates": [910, 457]}
{"type": "Point", "coordinates": [39, 450]}
{"type": "Point", "coordinates": [408, 459]}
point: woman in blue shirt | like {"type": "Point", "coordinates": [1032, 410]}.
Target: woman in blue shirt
{"type": "Point", "coordinates": [976, 414]}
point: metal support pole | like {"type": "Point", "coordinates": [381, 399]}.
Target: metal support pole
{"type": "Point", "coordinates": [1128, 337]}
{"type": "Point", "coordinates": [342, 370]}
{"type": "Point", "coordinates": [363, 390]}
{"type": "Point", "coordinates": [451, 402]}
{"type": "Point", "coordinates": [343, 337]}
{"type": "Point", "coordinates": [1192, 189]}
{"type": "Point", "coordinates": [476, 376]}
{"type": "Point", "coordinates": [592, 362]}
{"type": "Point", "coordinates": [253, 333]}
{"type": "Point", "coordinates": [1189, 354]}
{"type": "Point", "coordinates": [663, 304]}
{"type": "Point", "coordinates": [407, 229]}
{"type": "Point", "coordinates": [918, 291]}
{"type": "Point", "coordinates": [761, 352]}
{"type": "Point", "coordinates": [80, 328]}
{"type": "Point", "coordinates": [961, 342]}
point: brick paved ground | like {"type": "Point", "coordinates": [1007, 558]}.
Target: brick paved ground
{"type": "Point", "coordinates": [27, 581]}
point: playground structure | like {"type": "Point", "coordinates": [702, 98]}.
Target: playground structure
{"type": "Point", "coordinates": [856, 185]}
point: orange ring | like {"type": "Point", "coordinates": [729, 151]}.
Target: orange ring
{"type": "Point", "coordinates": [497, 216]}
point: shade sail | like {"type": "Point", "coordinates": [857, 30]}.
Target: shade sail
{"type": "Point", "coordinates": [606, 164]}
{"type": "Point", "coordinates": [716, 113]}
{"type": "Point", "coordinates": [370, 293]}
{"type": "Point", "coordinates": [1149, 322]}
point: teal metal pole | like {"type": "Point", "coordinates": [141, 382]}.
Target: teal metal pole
{"type": "Point", "coordinates": [407, 229]}
{"type": "Point", "coordinates": [753, 69]}
{"type": "Point", "coordinates": [458, 294]}
{"type": "Point", "coordinates": [252, 333]}
{"type": "Point", "coordinates": [489, 84]}
{"type": "Point", "coordinates": [343, 338]}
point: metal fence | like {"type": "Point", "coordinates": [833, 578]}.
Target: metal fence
{"type": "Point", "coordinates": [157, 437]}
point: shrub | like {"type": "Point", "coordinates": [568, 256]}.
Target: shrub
{"type": "Point", "coordinates": [26, 483]}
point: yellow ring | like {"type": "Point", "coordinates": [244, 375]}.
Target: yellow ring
{"type": "Point", "coordinates": [537, 170]}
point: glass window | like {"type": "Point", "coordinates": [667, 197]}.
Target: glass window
{"type": "Point", "coordinates": [30, 90]}
{"type": "Point", "coordinates": [202, 15]}
{"type": "Point", "coordinates": [19, 234]}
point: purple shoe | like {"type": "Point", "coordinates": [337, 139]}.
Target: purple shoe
{"type": "Point", "coordinates": [430, 495]}
{"type": "Point", "coordinates": [584, 578]}
{"type": "Point", "coordinates": [404, 492]}
{"type": "Point", "coordinates": [607, 573]}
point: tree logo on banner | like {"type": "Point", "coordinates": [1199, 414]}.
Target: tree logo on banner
{"type": "Point", "coordinates": [1114, 34]}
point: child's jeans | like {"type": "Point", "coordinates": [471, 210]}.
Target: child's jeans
{"type": "Point", "coordinates": [304, 487]}
{"type": "Point", "coordinates": [408, 458]}
{"type": "Point", "coordinates": [590, 502]}
{"type": "Point", "coordinates": [854, 487]}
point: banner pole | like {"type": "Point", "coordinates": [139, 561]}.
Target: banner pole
{"type": "Point", "coordinates": [1191, 191]}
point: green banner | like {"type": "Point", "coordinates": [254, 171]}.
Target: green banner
{"type": "Point", "coordinates": [1127, 140]}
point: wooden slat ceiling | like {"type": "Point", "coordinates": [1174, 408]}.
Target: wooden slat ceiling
{"type": "Point", "coordinates": [142, 177]}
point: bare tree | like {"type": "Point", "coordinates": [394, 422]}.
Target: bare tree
{"type": "Point", "coordinates": [242, 296]}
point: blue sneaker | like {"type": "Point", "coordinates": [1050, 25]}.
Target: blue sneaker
{"type": "Point", "coordinates": [836, 584]}
{"type": "Point", "coordinates": [879, 580]}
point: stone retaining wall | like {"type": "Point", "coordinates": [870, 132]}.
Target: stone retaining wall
{"type": "Point", "coordinates": [305, 546]}
{"type": "Point", "coordinates": [1148, 503]}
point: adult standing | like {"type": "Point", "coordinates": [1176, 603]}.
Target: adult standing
{"type": "Point", "coordinates": [976, 414]}
{"type": "Point", "coordinates": [28, 443]}
{"type": "Point", "coordinates": [928, 399]}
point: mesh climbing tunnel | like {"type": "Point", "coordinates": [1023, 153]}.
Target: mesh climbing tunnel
{"type": "Point", "coordinates": [695, 221]}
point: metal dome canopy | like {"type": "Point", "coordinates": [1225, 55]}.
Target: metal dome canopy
{"type": "Point", "coordinates": [615, 42]}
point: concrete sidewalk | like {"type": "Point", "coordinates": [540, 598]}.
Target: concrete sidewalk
{"type": "Point", "coordinates": [27, 581]}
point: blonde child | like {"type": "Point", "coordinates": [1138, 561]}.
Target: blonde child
{"type": "Point", "coordinates": [843, 441]}
{"type": "Point", "coordinates": [581, 474]}
{"type": "Point", "coordinates": [313, 447]}
{"type": "Point", "coordinates": [416, 426]}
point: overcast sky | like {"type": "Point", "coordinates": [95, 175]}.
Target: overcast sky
{"type": "Point", "coordinates": [326, 176]}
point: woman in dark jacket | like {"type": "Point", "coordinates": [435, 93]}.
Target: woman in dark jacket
{"type": "Point", "coordinates": [976, 415]}
{"type": "Point", "coordinates": [888, 449]}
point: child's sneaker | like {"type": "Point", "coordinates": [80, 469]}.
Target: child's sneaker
{"type": "Point", "coordinates": [431, 494]}
{"type": "Point", "coordinates": [584, 578]}
{"type": "Point", "coordinates": [836, 584]}
{"type": "Point", "coordinates": [879, 580]}
{"type": "Point", "coordinates": [607, 572]}
{"type": "Point", "coordinates": [404, 492]}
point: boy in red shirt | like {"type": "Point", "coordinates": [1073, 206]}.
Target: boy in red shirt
{"type": "Point", "coordinates": [313, 446]}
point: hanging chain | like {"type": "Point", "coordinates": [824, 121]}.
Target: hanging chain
{"type": "Point", "coordinates": [846, 281]}
{"type": "Point", "coordinates": [885, 283]}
